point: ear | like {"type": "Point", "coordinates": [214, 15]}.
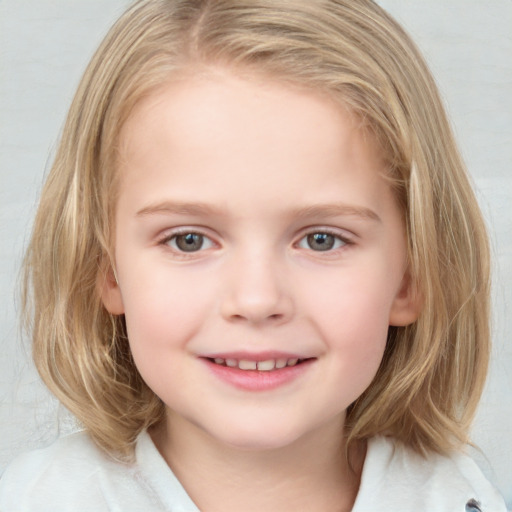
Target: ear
{"type": "Point", "coordinates": [110, 292]}
{"type": "Point", "coordinates": [407, 303]}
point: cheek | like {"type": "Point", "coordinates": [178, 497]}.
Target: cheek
{"type": "Point", "coordinates": [163, 312]}
{"type": "Point", "coordinates": [354, 299]}
{"type": "Point", "coordinates": [356, 339]}
{"type": "Point", "coordinates": [352, 316]}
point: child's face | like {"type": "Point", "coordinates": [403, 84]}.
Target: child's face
{"type": "Point", "coordinates": [254, 227]}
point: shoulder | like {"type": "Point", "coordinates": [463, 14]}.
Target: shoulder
{"type": "Point", "coordinates": [52, 475]}
{"type": "Point", "coordinates": [71, 474]}
{"type": "Point", "coordinates": [72, 452]}
{"type": "Point", "coordinates": [396, 478]}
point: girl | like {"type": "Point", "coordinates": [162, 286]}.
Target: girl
{"type": "Point", "coordinates": [258, 275]}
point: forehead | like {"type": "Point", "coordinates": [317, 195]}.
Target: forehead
{"type": "Point", "coordinates": [254, 109]}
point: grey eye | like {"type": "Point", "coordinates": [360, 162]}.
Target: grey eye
{"type": "Point", "coordinates": [321, 242]}
{"type": "Point", "coordinates": [190, 242]}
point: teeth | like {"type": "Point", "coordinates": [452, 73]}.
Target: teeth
{"type": "Point", "coordinates": [266, 366]}
{"type": "Point", "coordinates": [263, 366]}
{"type": "Point", "coordinates": [247, 365]}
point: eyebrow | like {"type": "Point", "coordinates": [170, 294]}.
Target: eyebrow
{"type": "Point", "coordinates": [179, 208]}
{"type": "Point", "coordinates": [207, 210]}
{"type": "Point", "coordinates": [337, 210]}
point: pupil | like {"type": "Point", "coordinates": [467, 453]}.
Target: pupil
{"type": "Point", "coordinates": [321, 241]}
{"type": "Point", "coordinates": [189, 242]}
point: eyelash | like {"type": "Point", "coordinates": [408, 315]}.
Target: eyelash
{"type": "Point", "coordinates": [339, 240]}
{"type": "Point", "coordinates": [169, 238]}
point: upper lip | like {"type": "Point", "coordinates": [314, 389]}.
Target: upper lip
{"type": "Point", "coordinates": [255, 356]}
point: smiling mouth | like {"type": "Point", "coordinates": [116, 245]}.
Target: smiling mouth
{"type": "Point", "coordinates": [262, 366]}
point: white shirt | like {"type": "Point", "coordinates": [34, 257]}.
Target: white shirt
{"type": "Point", "coordinates": [73, 475]}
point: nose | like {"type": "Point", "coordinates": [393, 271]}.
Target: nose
{"type": "Point", "coordinates": [256, 291]}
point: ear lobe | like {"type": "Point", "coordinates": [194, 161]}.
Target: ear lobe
{"type": "Point", "coordinates": [407, 304]}
{"type": "Point", "coordinates": [110, 292]}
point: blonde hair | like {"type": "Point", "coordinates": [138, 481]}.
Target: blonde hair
{"type": "Point", "coordinates": [431, 378]}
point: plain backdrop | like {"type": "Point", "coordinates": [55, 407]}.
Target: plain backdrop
{"type": "Point", "coordinates": [44, 47]}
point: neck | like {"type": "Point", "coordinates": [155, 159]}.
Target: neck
{"type": "Point", "coordinates": [310, 474]}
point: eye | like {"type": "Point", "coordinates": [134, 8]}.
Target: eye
{"type": "Point", "coordinates": [189, 242]}
{"type": "Point", "coordinates": [321, 241]}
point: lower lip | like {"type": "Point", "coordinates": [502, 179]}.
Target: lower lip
{"type": "Point", "coordinates": [255, 380]}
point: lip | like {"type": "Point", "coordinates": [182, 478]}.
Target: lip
{"type": "Point", "coordinates": [257, 380]}
{"type": "Point", "coordinates": [259, 356]}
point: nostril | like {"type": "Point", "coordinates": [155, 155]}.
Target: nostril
{"type": "Point", "coordinates": [252, 317]}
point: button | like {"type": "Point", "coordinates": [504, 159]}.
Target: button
{"type": "Point", "coordinates": [473, 506]}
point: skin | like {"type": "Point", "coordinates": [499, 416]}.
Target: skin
{"type": "Point", "coordinates": [255, 166]}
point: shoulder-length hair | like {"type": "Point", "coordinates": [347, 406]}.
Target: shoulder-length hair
{"type": "Point", "coordinates": [432, 374]}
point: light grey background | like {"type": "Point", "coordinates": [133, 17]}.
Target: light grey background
{"type": "Point", "coordinates": [44, 47]}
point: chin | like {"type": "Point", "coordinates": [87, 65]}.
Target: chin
{"type": "Point", "coordinates": [259, 440]}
